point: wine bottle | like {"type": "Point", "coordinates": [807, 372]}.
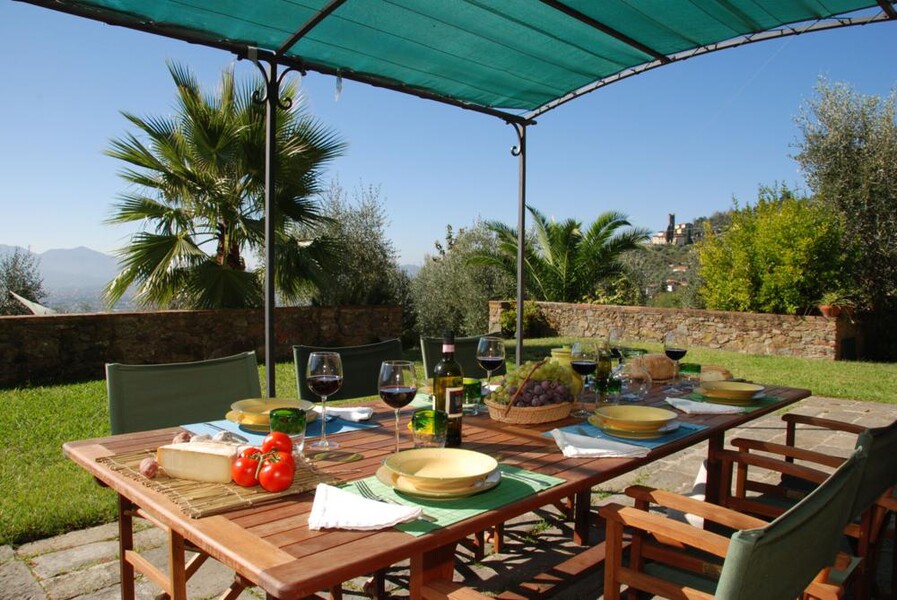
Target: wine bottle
{"type": "Point", "coordinates": [448, 389]}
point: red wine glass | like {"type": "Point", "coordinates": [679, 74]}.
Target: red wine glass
{"type": "Point", "coordinates": [490, 355]}
{"type": "Point", "coordinates": [674, 348]}
{"type": "Point", "coordinates": [324, 377]}
{"type": "Point", "coordinates": [397, 386]}
{"type": "Point", "coordinates": [584, 361]}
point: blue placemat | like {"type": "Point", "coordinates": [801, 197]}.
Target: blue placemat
{"type": "Point", "coordinates": [334, 426]}
{"type": "Point", "coordinates": [685, 429]}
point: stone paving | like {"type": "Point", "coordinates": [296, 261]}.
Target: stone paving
{"type": "Point", "coordinates": [83, 564]}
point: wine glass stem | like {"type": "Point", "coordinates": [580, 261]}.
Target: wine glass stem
{"type": "Point", "coordinates": [324, 420]}
{"type": "Point", "coordinates": [397, 430]}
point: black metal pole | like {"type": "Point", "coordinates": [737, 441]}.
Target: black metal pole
{"type": "Point", "coordinates": [271, 104]}
{"type": "Point", "coordinates": [520, 152]}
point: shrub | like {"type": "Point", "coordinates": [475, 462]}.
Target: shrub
{"type": "Point", "coordinates": [776, 257]}
{"type": "Point", "coordinates": [534, 322]}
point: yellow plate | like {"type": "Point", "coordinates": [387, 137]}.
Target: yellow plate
{"type": "Point", "coordinates": [252, 413]}
{"type": "Point", "coordinates": [729, 390]}
{"type": "Point", "coordinates": [633, 418]}
{"type": "Point", "coordinates": [635, 435]}
{"type": "Point", "coordinates": [403, 485]}
{"type": "Point", "coordinates": [441, 469]}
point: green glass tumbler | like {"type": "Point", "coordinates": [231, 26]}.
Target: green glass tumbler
{"type": "Point", "coordinates": [290, 421]}
{"type": "Point", "coordinates": [428, 428]}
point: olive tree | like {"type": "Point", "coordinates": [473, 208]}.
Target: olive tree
{"type": "Point", "coordinates": [20, 273]}
{"type": "Point", "coordinates": [449, 292]}
{"type": "Point", "coordinates": [365, 267]}
{"type": "Point", "coordinates": [849, 155]}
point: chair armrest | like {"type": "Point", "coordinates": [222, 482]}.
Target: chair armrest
{"type": "Point", "coordinates": [665, 527]}
{"type": "Point", "coordinates": [747, 444]}
{"type": "Point", "coordinates": [729, 457]}
{"type": "Point", "coordinates": [793, 419]}
{"type": "Point", "coordinates": [711, 512]}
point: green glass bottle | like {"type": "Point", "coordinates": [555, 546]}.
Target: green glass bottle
{"type": "Point", "coordinates": [448, 389]}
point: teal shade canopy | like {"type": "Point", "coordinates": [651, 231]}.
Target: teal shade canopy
{"type": "Point", "coordinates": [509, 57]}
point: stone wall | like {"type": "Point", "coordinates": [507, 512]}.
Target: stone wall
{"type": "Point", "coordinates": [751, 333]}
{"type": "Point", "coordinates": [63, 348]}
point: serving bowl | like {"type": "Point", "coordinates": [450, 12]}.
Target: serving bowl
{"type": "Point", "coordinates": [441, 469]}
{"type": "Point", "coordinates": [634, 418]}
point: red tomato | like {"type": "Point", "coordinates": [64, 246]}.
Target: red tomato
{"type": "Point", "coordinates": [243, 471]}
{"type": "Point", "coordinates": [276, 475]}
{"type": "Point", "coordinates": [250, 452]}
{"type": "Point", "coordinates": [277, 440]}
{"type": "Point", "coordinates": [286, 457]}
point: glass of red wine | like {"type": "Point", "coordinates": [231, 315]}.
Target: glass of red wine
{"type": "Point", "coordinates": [584, 361]}
{"type": "Point", "coordinates": [490, 355]}
{"type": "Point", "coordinates": [674, 348]}
{"type": "Point", "coordinates": [397, 386]}
{"type": "Point", "coordinates": [324, 377]}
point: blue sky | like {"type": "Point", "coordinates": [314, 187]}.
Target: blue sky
{"type": "Point", "coordinates": [685, 138]}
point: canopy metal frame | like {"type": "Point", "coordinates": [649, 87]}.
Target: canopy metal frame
{"type": "Point", "coordinates": [520, 121]}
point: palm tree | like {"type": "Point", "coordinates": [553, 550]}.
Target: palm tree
{"type": "Point", "coordinates": [200, 181]}
{"type": "Point", "coordinates": [562, 262]}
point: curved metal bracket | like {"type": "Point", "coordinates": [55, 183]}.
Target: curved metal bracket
{"type": "Point", "coordinates": [520, 129]}
{"type": "Point", "coordinates": [272, 85]}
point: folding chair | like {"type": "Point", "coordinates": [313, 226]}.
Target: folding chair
{"type": "Point", "coordinates": [777, 560]}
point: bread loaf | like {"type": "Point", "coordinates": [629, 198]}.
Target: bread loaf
{"type": "Point", "coordinates": [658, 365]}
{"type": "Point", "coordinates": [714, 373]}
{"type": "Point", "coordinates": [198, 461]}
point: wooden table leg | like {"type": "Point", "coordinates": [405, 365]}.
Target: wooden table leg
{"type": "Point", "coordinates": [714, 471]}
{"type": "Point", "coordinates": [582, 509]}
{"type": "Point", "coordinates": [437, 564]}
{"type": "Point", "coordinates": [125, 543]}
{"type": "Point", "coordinates": [177, 565]}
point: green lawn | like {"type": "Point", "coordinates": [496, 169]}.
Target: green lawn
{"type": "Point", "coordinates": [44, 494]}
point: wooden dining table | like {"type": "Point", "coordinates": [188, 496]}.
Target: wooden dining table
{"type": "Point", "coordinates": [271, 545]}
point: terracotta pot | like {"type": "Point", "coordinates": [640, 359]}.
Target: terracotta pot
{"type": "Point", "coordinates": [830, 311]}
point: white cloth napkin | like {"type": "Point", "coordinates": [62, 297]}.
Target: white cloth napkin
{"type": "Point", "coordinates": [334, 508]}
{"type": "Point", "coordinates": [583, 446]}
{"type": "Point", "coordinates": [349, 413]}
{"type": "Point", "coordinates": [703, 408]}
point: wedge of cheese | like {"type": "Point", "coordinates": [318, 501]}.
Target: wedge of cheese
{"type": "Point", "coordinates": [199, 461]}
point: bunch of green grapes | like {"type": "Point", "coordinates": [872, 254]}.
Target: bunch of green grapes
{"type": "Point", "coordinates": [550, 383]}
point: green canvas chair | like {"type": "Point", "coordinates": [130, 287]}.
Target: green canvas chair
{"type": "Point", "coordinates": [143, 397]}
{"type": "Point", "coordinates": [361, 367]}
{"type": "Point", "coordinates": [773, 561]}
{"type": "Point", "coordinates": [465, 354]}
{"type": "Point", "coordinates": [753, 460]}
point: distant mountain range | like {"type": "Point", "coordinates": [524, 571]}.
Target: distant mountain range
{"type": "Point", "coordinates": [75, 277]}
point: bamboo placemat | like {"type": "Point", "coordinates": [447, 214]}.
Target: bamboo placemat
{"type": "Point", "coordinates": [201, 499]}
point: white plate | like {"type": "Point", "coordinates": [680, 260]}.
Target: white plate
{"type": "Point", "coordinates": [401, 484]}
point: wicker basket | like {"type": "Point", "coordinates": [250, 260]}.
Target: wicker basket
{"type": "Point", "coordinates": [529, 415]}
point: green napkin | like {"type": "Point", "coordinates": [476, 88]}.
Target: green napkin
{"type": "Point", "coordinates": [515, 484]}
